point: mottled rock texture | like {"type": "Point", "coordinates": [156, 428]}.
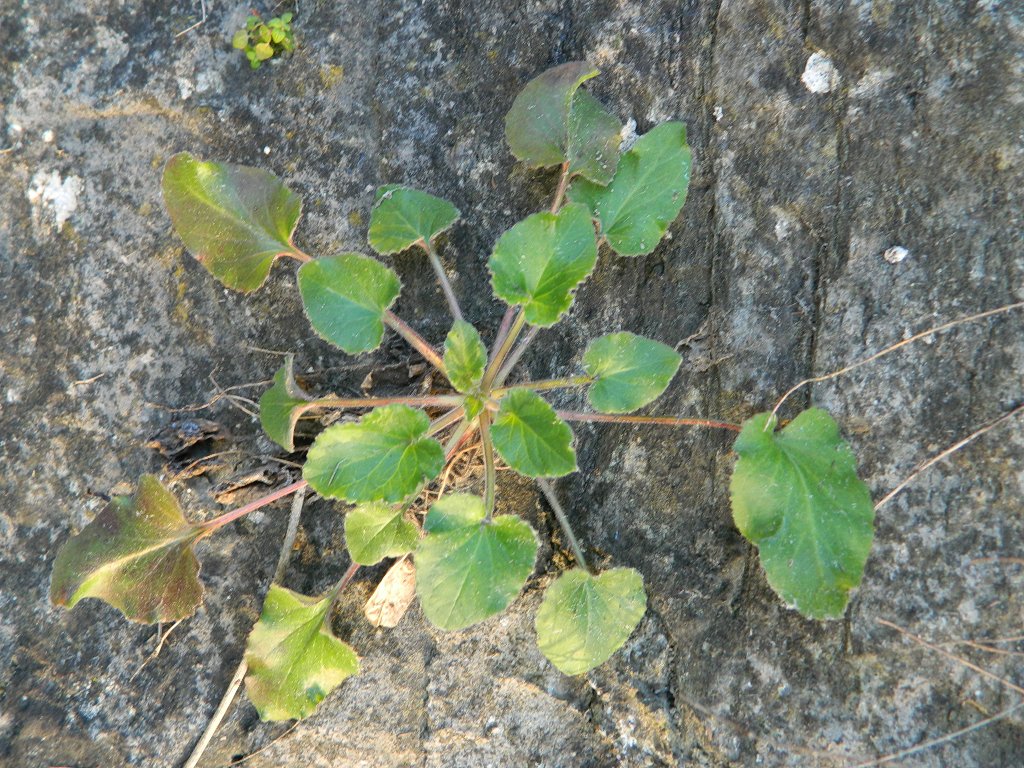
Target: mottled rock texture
{"type": "Point", "coordinates": [904, 131]}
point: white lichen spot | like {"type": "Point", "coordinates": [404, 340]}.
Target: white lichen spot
{"type": "Point", "coordinates": [185, 87]}
{"type": "Point", "coordinates": [968, 611]}
{"type": "Point", "coordinates": [719, 113]}
{"type": "Point", "coordinates": [628, 137]}
{"type": "Point", "coordinates": [48, 193]}
{"type": "Point", "coordinates": [820, 75]}
{"type": "Point", "coordinates": [895, 254]}
{"type": "Point", "coordinates": [48, 136]}
{"type": "Point", "coordinates": [784, 223]}
{"type": "Point", "coordinates": [266, 150]}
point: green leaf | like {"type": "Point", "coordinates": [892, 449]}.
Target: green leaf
{"type": "Point", "coordinates": [294, 660]}
{"type": "Point", "coordinates": [465, 356]}
{"type": "Point", "coordinates": [281, 406]}
{"type": "Point", "coordinates": [403, 216]}
{"type": "Point", "coordinates": [382, 457]}
{"type": "Point", "coordinates": [345, 298]}
{"type": "Point", "coordinates": [629, 371]}
{"type": "Point", "coordinates": [584, 619]}
{"type": "Point", "coordinates": [796, 495]}
{"type": "Point", "coordinates": [277, 35]}
{"type": "Point", "coordinates": [264, 50]}
{"type": "Point", "coordinates": [539, 262]}
{"type": "Point", "coordinates": [136, 555]}
{"type": "Point", "coordinates": [537, 125]}
{"type": "Point", "coordinates": [468, 569]}
{"type": "Point", "coordinates": [594, 137]}
{"type": "Point", "coordinates": [240, 40]}
{"type": "Point", "coordinates": [235, 219]}
{"type": "Point", "coordinates": [531, 438]}
{"type": "Point", "coordinates": [647, 193]}
{"type": "Point", "coordinates": [375, 530]}
{"type": "Point", "coordinates": [286, 17]}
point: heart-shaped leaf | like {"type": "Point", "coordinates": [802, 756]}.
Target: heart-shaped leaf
{"type": "Point", "coordinates": [468, 569]}
{"type": "Point", "coordinates": [135, 555]}
{"type": "Point", "coordinates": [629, 371]}
{"type": "Point", "coordinates": [594, 138]}
{"type": "Point", "coordinates": [796, 495]}
{"type": "Point", "coordinates": [531, 438]}
{"type": "Point", "coordinates": [235, 219]}
{"type": "Point", "coordinates": [281, 406]}
{"type": "Point", "coordinates": [584, 619]}
{"type": "Point", "coordinates": [465, 356]}
{"type": "Point", "coordinates": [294, 660]}
{"type": "Point", "coordinates": [382, 457]}
{"type": "Point", "coordinates": [376, 530]}
{"type": "Point", "coordinates": [404, 216]}
{"type": "Point", "coordinates": [345, 298]}
{"type": "Point", "coordinates": [539, 262]}
{"type": "Point", "coordinates": [647, 193]}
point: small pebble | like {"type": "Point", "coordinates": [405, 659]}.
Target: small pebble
{"type": "Point", "coordinates": [48, 136]}
{"type": "Point", "coordinates": [820, 75]}
{"type": "Point", "coordinates": [896, 254]}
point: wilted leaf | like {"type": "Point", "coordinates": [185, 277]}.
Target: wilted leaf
{"type": "Point", "coordinates": [135, 555]}
{"type": "Point", "coordinates": [382, 457]}
{"type": "Point", "coordinates": [468, 569]}
{"type": "Point", "coordinates": [282, 405]}
{"type": "Point", "coordinates": [629, 371]}
{"type": "Point", "coordinates": [376, 530]}
{"type": "Point", "coordinates": [539, 262]}
{"type": "Point", "coordinates": [465, 356]}
{"type": "Point", "coordinates": [294, 660]}
{"type": "Point", "coordinates": [796, 495]}
{"type": "Point", "coordinates": [646, 194]}
{"type": "Point", "coordinates": [537, 125]}
{"type": "Point", "coordinates": [584, 619]}
{"type": "Point", "coordinates": [531, 438]}
{"type": "Point", "coordinates": [403, 216]}
{"type": "Point", "coordinates": [345, 298]}
{"type": "Point", "coordinates": [235, 219]}
{"type": "Point", "coordinates": [393, 596]}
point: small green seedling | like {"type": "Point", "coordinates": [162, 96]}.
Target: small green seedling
{"type": "Point", "coordinates": [795, 491]}
{"type": "Point", "coordinates": [262, 41]}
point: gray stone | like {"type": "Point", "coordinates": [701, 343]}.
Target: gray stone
{"type": "Point", "coordinates": [776, 271]}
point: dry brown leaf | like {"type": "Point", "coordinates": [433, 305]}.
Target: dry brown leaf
{"type": "Point", "coordinates": [393, 596]}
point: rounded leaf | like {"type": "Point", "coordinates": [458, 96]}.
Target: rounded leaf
{"type": "Point", "coordinates": [382, 457]}
{"type": "Point", "coordinates": [646, 194]}
{"type": "Point", "coordinates": [629, 371]}
{"type": "Point", "coordinates": [537, 125]}
{"type": "Point", "coordinates": [234, 219]}
{"type": "Point", "coordinates": [594, 138]}
{"type": "Point", "coordinates": [531, 438]}
{"type": "Point", "coordinates": [796, 496]}
{"type": "Point", "coordinates": [376, 530]}
{"type": "Point", "coordinates": [584, 619]}
{"type": "Point", "coordinates": [539, 262]}
{"type": "Point", "coordinates": [345, 298]}
{"type": "Point", "coordinates": [281, 406]}
{"type": "Point", "coordinates": [294, 661]}
{"type": "Point", "coordinates": [468, 569]}
{"type": "Point", "coordinates": [404, 216]}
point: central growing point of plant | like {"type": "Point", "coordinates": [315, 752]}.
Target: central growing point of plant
{"type": "Point", "coordinates": [795, 492]}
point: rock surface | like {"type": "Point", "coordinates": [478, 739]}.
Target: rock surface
{"type": "Point", "coordinates": [825, 136]}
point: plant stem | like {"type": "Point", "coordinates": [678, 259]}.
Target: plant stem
{"type": "Point", "coordinates": [445, 420]}
{"type": "Point", "coordinates": [374, 402]}
{"type": "Point", "coordinates": [668, 421]}
{"type": "Point", "coordinates": [513, 359]}
{"type": "Point", "coordinates": [212, 525]}
{"type": "Point", "coordinates": [490, 475]}
{"type": "Point", "coordinates": [563, 183]}
{"type": "Point", "coordinates": [297, 253]}
{"type": "Point", "coordinates": [538, 386]}
{"type": "Point", "coordinates": [506, 323]}
{"type": "Point", "coordinates": [335, 593]}
{"type": "Point", "coordinates": [442, 277]}
{"type": "Point", "coordinates": [456, 439]}
{"type": "Point", "coordinates": [556, 507]}
{"type": "Point", "coordinates": [506, 346]}
{"type": "Point", "coordinates": [416, 341]}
